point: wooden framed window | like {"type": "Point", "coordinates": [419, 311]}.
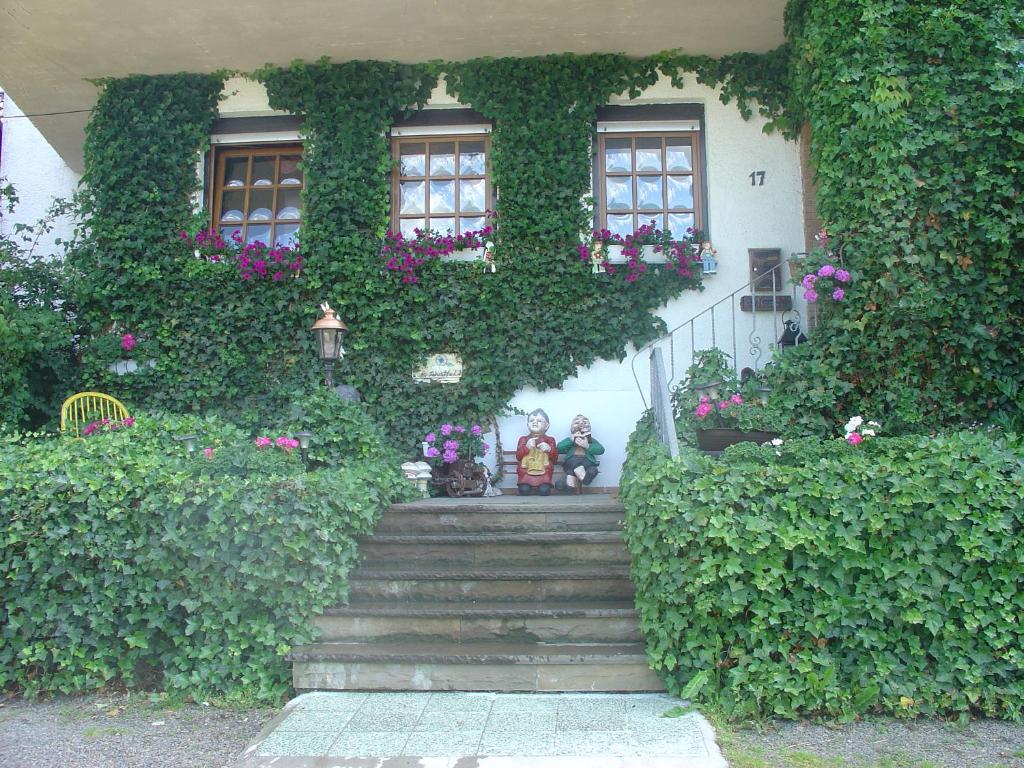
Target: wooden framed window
{"type": "Point", "coordinates": [257, 192]}
{"type": "Point", "coordinates": [643, 176]}
{"type": "Point", "coordinates": [440, 183]}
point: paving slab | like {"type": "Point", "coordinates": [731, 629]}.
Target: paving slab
{"type": "Point", "coordinates": [349, 729]}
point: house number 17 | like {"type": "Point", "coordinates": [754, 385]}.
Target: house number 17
{"type": "Point", "coordinates": [757, 178]}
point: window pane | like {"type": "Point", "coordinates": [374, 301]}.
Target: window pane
{"type": "Point", "coordinates": [648, 155]}
{"type": "Point", "coordinates": [262, 171]}
{"type": "Point", "coordinates": [679, 155]}
{"type": "Point", "coordinates": [290, 175]}
{"type": "Point", "coordinates": [471, 195]}
{"type": "Point", "coordinates": [231, 204]}
{"type": "Point", "coordinates": [618, 155]}
{"type": "Point", "coordinates": [408, 227]}
{"type": "Point", "coordinates": [413, 197]}
{"type": "Point", "coordinates": [619, 193]}
{"type": "Point", "coordinates": [619, 224]}
{"type": "Point", "coordinates": [288, 205]}
{"type": "Point", "coordinates": [259, 233]}
{"type": "Point", "coordinates": [471, 158]}
{"type": "Point", "coordinates": [286, 234]}
{"type": "Point", "coordinates": [442, 197]}
{"type": "Point", "coordinates": [227, 234]}
{"type": "Point", "coordinates": [648, 192]}
{"type": "Point", "coordinates": [679, 223]}
{"type": "Point", "coordinates": [443, 226]}
{"type": "Point", "coordinates": [413, 160]}
{"type": "Point", "coordinates": [235, 170]}
{"type": "Point", "coordinates": [442, 159]}
{"type": "Point", "coordinates": [471, 224]}
{"type": "Point", "coordinates": [657, 221]}
{"type": "Point", "coordinates": [680, 191]}
{"type": "Point", "coordinates": [259, 205]}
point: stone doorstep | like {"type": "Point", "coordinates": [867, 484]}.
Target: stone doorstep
{"type": "Point", "coordinates": [460, 572]}
{"type": "Point", "coordinates": [496, 609]}
{"type": "Point", "coordinates": [513, 504]}
{"type": "Point", "coordinates": [419, 652]}
{"type": "Point", "coordinates": [444, 520]}
{"type": "Point", "coordinates": [480, 762]}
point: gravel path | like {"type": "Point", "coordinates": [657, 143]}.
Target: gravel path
{"type": "Point", "coordinates": [122, 731]}
{"type": "Point", "coordinates": [883, 742]}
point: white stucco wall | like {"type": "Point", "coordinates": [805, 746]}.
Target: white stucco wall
{"type": "Point", "coordinates": [38, 174]}
{"type": "Point", "coordinates": [740, 216]}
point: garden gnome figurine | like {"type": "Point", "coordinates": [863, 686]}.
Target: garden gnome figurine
{"type": "Point", "coordinates": [536, 454]}
{"type": "Point", "coordinates": [581, 451]}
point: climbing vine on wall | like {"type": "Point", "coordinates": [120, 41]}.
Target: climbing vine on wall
{"type": "Point", "coordinates": [214, 343]}
{"type": "Point", "coordinates": [917, 122]}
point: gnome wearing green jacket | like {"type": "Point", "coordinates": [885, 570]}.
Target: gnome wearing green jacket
{"type": "Point", "coordinates": [581, 451]}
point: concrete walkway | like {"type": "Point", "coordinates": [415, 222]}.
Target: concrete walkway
{"type": "Point", "coordinates": [350, 729]}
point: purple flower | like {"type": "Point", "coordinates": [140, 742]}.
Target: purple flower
{"type": "Point", "coordinates": [446, 429]}
{"type": "Point", "coordinates": [827, 270]}
{"type": "Point", "coordinates": [128, 421]}
{"type": "Point", "coordinates": [838, 294]}
{"type": "Point", "coordinates": [477, 430]}
{"type": "Point", "coordinates": [458, 429]}
{"type": "Point", "coordinates": [451, 445]}
{"type": "Point", "coordinates": [450, 457]}
{"type": "Point", "coordinates": [433, 453]}
{"type": "Point", "coordinates": [811, 295]}
{"type": "Point", "coordinates": [842, 276]}
{"type": "Point", "coordinates": [431, 437]}
{"type": "Point", "coordinates": [128, 342]}
{"type": "Point", "coordinates": [809, 280]}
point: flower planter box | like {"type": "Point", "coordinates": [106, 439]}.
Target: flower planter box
{"type": "Point", "coordinates": [647, 255]}
{"type": "Point", "coordinates": [719, 438]}
{"type": "Point", "coordinates": [463, 478]}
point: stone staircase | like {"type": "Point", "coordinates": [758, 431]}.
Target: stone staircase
{"type": "Point", "coordinates": [502, 594]}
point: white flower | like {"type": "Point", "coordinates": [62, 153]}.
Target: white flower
{"type": "Point", "coordinates": [868, 432]}
{"type": "Point", "coordinates": [874, 424]}
{"type": "Point", "coordinates": [853, 423]}
{"type": "Point", "coordinates": [777, 442]}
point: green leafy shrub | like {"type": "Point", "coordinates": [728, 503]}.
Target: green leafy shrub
{"type": "Point", "coordinates": [125, 561]}
{"type": "Point", "coordinates": [824, 578]}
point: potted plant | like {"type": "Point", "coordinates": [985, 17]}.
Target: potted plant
{"type": "Point", "coordinates": [714, 409]}
{"type": "Point", "coordinates": [680, 256]}
{"type": "Point", "coordinates": [452, 451]}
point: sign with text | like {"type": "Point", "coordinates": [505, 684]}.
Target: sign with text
{"type": "Point", "coordinates": [441, 368]}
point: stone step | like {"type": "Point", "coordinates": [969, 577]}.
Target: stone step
{"type": "Point", "coordinates": [473, 667]}
{"type": "Point", "coordinates": [557, 622]}
{"type": "Point", "coordinates": [494, 548]}
{"type": "Point", "coordinates": [507, 583]}
{"type": "Point", "coordinates": [455, 519]}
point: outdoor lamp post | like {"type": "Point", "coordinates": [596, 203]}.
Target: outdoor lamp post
{"type": "Point", "coordinates": [329, 331]}
{"type": "Point", "coordinates": [303, 438]}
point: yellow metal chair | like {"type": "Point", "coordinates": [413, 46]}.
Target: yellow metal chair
{"type": "Point", "coordinates": [85, 407]}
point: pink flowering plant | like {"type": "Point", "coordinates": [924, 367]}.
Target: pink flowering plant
{"type": "Point", "coordinates": [452, 442]}
{"type": "Point", "coordinates": [107, 425]}
{"type": "Point", "coordinates": [829, 280]}
{"type": "Point", "coordinates": [406, 255]}
{"type": "Point", "coordinates": [856, 430]}
{"type": "Point", "coordinates": [682, 255]}
{"type": "Point", "coordinates": [254, 261]}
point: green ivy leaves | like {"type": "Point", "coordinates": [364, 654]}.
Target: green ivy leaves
{"type": "Point", "coordinates": [831, 579]}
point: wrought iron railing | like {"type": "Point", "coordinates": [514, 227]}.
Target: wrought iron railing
{"type": "Point", "coordinates": [749, 325]}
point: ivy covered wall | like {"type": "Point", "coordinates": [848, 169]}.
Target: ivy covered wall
{"type": "Point", "coordinates": [917, 119]}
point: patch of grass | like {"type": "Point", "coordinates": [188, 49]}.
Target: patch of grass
{"type": "Point", "coordinates": [95, 732]}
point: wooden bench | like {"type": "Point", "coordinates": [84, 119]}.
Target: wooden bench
{"type": "Point", "coordinates": [508, 471]}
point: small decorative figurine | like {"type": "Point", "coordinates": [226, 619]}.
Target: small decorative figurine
{"type": "Point", "coordinates": [581, 451]}
{"type": "Point", "coordinates": [536, 454]}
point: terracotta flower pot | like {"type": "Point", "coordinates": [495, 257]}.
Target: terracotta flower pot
{"type": "Point", "coordinates": [720, 438]}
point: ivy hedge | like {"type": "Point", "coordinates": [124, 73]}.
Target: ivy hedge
{"type": "Point", "coordinates": [824, 578]}
{"type": "Point", "coordinates": [124, 562]}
